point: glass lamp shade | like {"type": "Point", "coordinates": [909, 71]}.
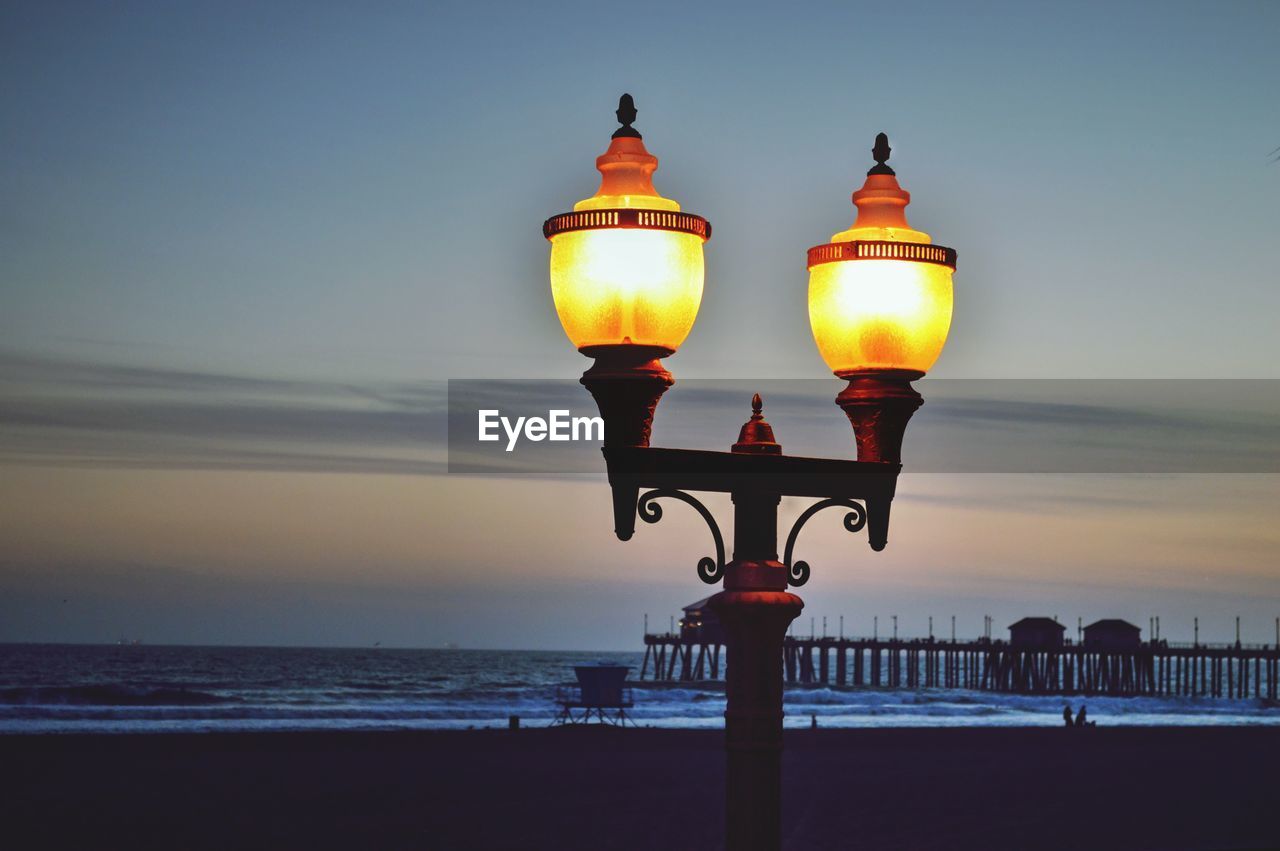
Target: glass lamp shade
{"type": "Point", "coordinates": [880, 314]}
{"type": "Point", "coordinates": [626, 264]}
{"type": "Point", "coordinates": [880, 293]}
{"type": "Point", "coordinates": [626, 285]}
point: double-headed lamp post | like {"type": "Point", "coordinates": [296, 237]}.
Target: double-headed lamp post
{"type": "Point", "coordinates": [627, 278]}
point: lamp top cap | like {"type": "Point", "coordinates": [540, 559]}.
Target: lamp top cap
{"type": "Point", "coordinates": [756, 436]}
{"type": "Point", "coordinates": [881, 202]}
{"type": "Point", "coordinates": [881, 154]}
{"type": "Point", "coordinates": [626, 117]}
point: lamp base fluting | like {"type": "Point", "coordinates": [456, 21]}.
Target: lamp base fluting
{"type": "Point", "coordinates": [626, 381]}
{"type": "Point", "coordinates": [879, 405]}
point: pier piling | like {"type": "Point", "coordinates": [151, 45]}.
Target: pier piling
{"type": "Point", "coordinates": [1151, 668]}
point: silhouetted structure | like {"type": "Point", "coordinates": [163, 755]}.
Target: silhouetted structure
{"type": "Point", "coordinates": [1147, 668]}
{"type": "Point", "coordinates": [1036, 632]}
{"type": "Point", "coordinates": [600, 693]}
{"type": "Point", "coordinates": [1112, 634]}
{"type": "Point", "coordinates": [673, 656]}
{"type": "Point", "coordinates": [700, 624]}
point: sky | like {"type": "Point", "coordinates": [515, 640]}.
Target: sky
{"type": "Point", "coordinates": [244, 246]}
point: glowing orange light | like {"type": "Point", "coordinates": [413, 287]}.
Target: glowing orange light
{"type": "Point", "coordinates": [628, 284]}
{"type": "Point", "coordinates": [880, 314]}
{"type": "Point", "coordinates": [882, 303]}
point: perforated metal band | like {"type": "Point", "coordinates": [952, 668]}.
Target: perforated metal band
{"type": "Point", "coordinates": [627, 218]}
{"type": "Point", "coordinates": [868, 249]}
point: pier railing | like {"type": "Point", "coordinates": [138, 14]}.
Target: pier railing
{"type": "Point", "coordinates": [1151, 668]}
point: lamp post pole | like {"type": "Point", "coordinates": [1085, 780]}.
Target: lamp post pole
{"type": "Point", "coordinates": [627, 278]}
{"type": "Point", "coordinates": [755, 610]}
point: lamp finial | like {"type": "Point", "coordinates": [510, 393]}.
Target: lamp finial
{"type": "Point", "coordinates": [756, 436]}
{"type": "Point", "coordinates": [881, 154]}
{"type": "Point", "coordinates": [626, 117]}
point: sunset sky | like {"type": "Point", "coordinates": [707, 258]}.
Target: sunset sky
{"type": "Point", "coordinates": [244, 246]}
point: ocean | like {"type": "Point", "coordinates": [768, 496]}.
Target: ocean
{"type": "Point", "coordinates": [140, 688]}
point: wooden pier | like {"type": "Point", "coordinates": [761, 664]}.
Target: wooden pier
{"type": "Point", "coordinates": [1151, 668]}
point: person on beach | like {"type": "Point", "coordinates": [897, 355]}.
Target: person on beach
{"type": "Point", "coordinates": [1066, 715]}
{"type": "Point", "coordinates": [1080, 719]}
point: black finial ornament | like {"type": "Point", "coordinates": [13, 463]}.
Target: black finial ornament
{"type": "Point", "coordinates": [626, 116]}
{"type": "Point", "coordinates": [881, 154]}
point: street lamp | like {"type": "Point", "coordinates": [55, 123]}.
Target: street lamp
{"type": "Point", "coordinates": [626, 277]}
{"type": "Point", "coordinates": [626, 272]}
{"type": "Point", "coordinates": [626, 264]}
{"type": "Point", "coordinates": [880, 307]}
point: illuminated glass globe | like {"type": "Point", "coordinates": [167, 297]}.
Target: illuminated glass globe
{"type": "Point", "coordinates": [626, 264]}
{"type": "Point", "coordinates": [880, 293]}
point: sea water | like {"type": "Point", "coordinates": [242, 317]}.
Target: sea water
{"type": "Point", "coordinates": [138, 688]}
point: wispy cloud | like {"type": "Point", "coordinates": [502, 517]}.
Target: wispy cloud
{"type": "Point", "coordinates": [103, 414]}
{"type": "Point", "coordinates": [965, 426]}
{"type": "Point", "coordinates": [94, 414]}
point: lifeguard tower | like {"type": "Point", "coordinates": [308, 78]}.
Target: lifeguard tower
{"type": "Point", "coordinates": [600, 694]}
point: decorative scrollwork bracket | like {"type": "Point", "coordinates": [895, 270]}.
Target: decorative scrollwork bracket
{"type": "Point", "coordinates": [798, 571]}
{"type": "Point", "coordinates": [710, 570]}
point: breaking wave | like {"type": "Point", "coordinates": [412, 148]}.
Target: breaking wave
{"type": "Point", "coordinates": [53, 688]}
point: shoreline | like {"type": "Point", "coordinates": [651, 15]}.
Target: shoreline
{"type": "Point", "coordinates": [801, 724]}
{"type": "Point", "coordinates": [569, 788]}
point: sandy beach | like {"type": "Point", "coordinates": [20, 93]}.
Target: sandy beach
{"type": "Point", "coordinates": [1131, 788]}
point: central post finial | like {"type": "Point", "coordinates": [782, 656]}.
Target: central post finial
{"type": "Point", "coordinates": [626, 117]}
{"type": "Point", "coordinates": [881, 154]}
{"type": "Point", "coordinates": [756, 436]}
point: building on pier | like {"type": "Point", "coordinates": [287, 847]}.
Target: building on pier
{"type": "Point", "coordinates": [700, 624]}
{"type": "Point", "coordinates": [1112, 634]}
{"type": "Point", "coordinates": [1039, 633]}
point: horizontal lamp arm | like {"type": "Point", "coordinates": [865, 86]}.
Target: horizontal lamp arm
{"type": "Point", "coordinates": [729, 472]}
{"type": "Point", "coordinates": [634, 467]}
